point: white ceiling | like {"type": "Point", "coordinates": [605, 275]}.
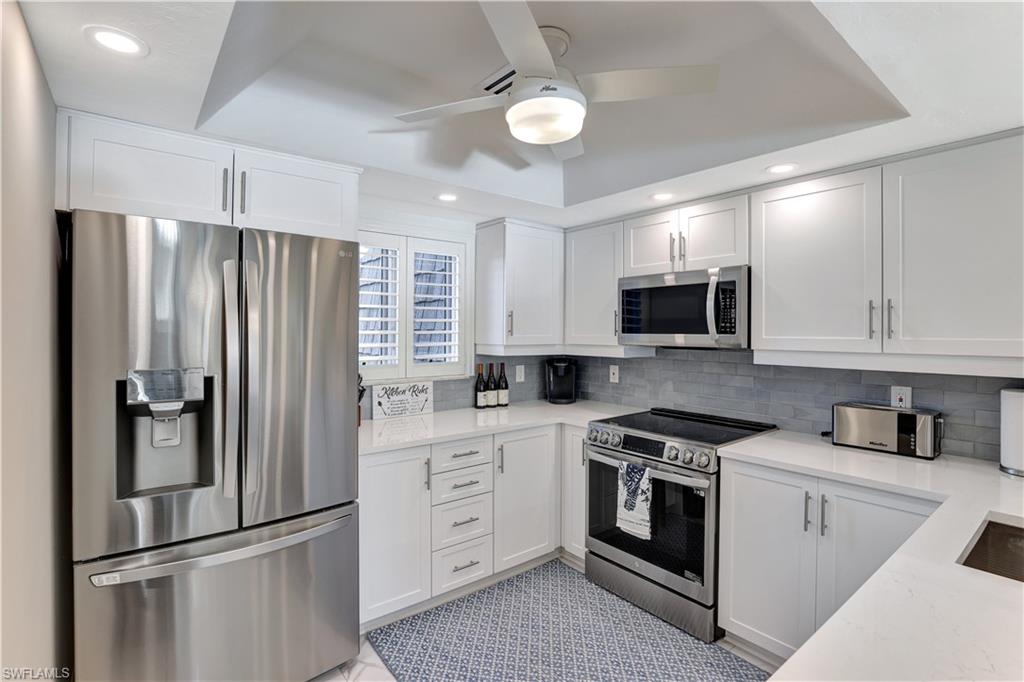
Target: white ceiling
{"type": "Point", "coordinates": [821, 85]}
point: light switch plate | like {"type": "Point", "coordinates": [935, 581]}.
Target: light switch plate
{"type": "Point", "coordinates": [520, 374]}
{"type": "Point", "coordinates": [613, 373]}
{"type": "Point", "coordinates": [901, 396]}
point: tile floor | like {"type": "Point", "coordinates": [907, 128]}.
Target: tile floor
{"type": "Point", "coordinates": [367, 667]}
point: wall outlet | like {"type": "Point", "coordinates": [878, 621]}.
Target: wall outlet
{"type": "Point", "coordinates": [520, 374]}
{"type": "Point", "coordinates": [901, 396]}
{"type": "Point", "coordinates": [613, 373]}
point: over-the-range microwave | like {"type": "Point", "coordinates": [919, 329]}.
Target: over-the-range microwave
{"type": "Point", "coordinates": [698, 309]}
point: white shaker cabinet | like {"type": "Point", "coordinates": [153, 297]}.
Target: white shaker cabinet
{"type": "Point", "coordinates": [394, 531]}
{"type": "Point", "coordinates": [714, 234]}
{"type": "Point", "coordinates": [593, 265]}
{"type": "Point", "coordinates": [574, 491]}
{"type": "Point", "coordinates": [650, 244]}
{"type": "Point", "coordinates": [954, 244]}
{"type": "Point", "coordinates": [816, 271]}
{"type": "Point", "coordinates": [526, 496]}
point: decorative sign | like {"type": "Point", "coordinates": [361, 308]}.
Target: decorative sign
{"type": "Point", "coordinates": [402, 400]}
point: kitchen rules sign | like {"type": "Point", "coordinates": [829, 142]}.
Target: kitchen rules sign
{"type": "Point", "coordinates": [402, 400]}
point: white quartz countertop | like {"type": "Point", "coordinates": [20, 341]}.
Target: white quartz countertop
{"type": "Point", "coordinates": [921, 616]}
{"type": "Point", "coordinates": [380, 435]}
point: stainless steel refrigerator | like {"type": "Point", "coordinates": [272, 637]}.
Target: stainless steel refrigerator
{"type": "Point", "coordinates": [213, 450]}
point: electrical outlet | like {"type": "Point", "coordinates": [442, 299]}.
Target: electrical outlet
{"type": "Point", "coordinates": [520, 374]}
{"type": "Point", "coordinates": [613, 373]}
{"type": "Point", "coordinates": [901, 396]}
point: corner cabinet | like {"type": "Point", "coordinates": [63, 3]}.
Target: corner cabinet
{"type": "Point", "coordinates": [794, 548]}
{"type": "Point", "coordinates": [593, 265]}
{"type": "Point", "coordinates": [574, 491]}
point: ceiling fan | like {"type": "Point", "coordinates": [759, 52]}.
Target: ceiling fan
{"type": "Point", "coordinates": [547, 103]}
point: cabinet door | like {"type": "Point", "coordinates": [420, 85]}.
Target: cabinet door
{"type": "Point", "coordinates": [858, 529]}
{"type": "Point", "coordinates": [954, 239]}
{"type": "Point", "coordinates": [287, 194]}
{"type": "Point", "coordinates": [121, 168]}
{"type": "Point", "coordinates": [593, 265]}
{"type": "Point", "coordinates": [533, 285]}
{"type": "Point", "coordinates": [574, 490]}
{"type": "Point", "coordinates": [526, 496]}
{"type": "Point", "coordinates": [394, 531]}
{"type": "Point", "coordinates": [816, 265]}
{"type": "Point", "coordinates": [767, 542]}
{"type": "Point", "coordinates": [650, 244]}
{"type": "Point", "coordinates": [715, 234]}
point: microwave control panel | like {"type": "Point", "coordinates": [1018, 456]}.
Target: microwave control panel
{"type": "Point", "coordinates": [727, 310]}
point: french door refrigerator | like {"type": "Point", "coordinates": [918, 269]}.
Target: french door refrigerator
{"type": "Point", "coordinates": [213, 450]}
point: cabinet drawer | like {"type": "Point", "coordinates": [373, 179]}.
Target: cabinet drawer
{"type": "Point", "coordinates": [460, 454]}
{"type": "Point", "coordinates": [462, 564]}
{"type": "Point", "coordinates": [462, 520]}
{"type": "Point", "coordinates": [456, 485]}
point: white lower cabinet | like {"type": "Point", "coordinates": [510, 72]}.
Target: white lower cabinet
{"type": "Point", "coordinates": [394, 531]}
{"type": "Point", "coordinates": [462, 520]}
{"type": "Point", "coordinates": [526, 496]}
{"type": "Point", "coordinates": [793, 548]}
{"type": "Point", "coordinates": [574, 491]}
{"type": "Point", "coordinates": [462, 564]}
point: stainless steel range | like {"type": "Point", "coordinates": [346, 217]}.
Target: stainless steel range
{"type": "Point", "coordinates": [673, 574]}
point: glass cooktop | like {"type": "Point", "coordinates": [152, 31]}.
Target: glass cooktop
{"type": "Point", "coordinates": [689, 426]}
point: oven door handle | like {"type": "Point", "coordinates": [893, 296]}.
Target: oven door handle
{"type": "Point", "coordinates": [710, 303]}
{"type": "Point", "coordinates": [687, 481]}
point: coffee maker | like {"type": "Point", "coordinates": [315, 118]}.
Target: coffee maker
{"type": "Point", "coordinates": [560, 380]}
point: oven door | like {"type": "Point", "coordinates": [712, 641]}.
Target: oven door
{"type": "Point", "coordinates": [681, 552]}
{"type": "Point", "coordinates": [700, 309]}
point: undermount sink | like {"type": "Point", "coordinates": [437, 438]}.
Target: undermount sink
{"type": "Point", "coordinates": [998, 549]}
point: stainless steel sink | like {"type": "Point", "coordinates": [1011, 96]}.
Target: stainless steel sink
{"type": "Point", "coordinates": [999, 549]}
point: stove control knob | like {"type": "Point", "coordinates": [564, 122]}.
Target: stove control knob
{"type": "Point", "coordinates": [672, 453]}
{"type": "Point", "coordinates": [592, 435]}
{"type": "Point", "coordinates": [604, 438]}
{"type": "Point", "coordinates": [704, 460]}
{"type": "Point", "coordinates": [688, 457]}
{"type": "Point", "coordinates": [616, 440]}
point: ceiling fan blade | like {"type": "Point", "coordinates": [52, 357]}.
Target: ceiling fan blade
{"type": "Point", "coordinates": [618, 86]}
{"type": "Point", "coordinates": [569, 149]}
{"type": "Point", "coordinates": [520, 39]}
{"type": "Point", "coordinates": [465, 106]}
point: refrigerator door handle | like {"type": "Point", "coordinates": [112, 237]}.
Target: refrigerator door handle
{"type": "Point", "coordinates": [133, 575]}
{"type": "Point", "coordinates": [252, 363]}
{"type": "Point", "coordinates": [233, 378]}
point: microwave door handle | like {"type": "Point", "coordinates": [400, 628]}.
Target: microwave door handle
{"type": "Point", "coordinates": [710, 303]}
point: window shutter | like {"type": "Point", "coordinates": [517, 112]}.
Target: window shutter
{"type": "Point", "coordinates": [435, 307]}
{"type": "Point", "coordinates": [379, 306]}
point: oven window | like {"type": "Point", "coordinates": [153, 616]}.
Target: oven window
{"type": "Point", "coordinates": [677, 522]}
{"type": "Point", "coordinates": [675, 309]}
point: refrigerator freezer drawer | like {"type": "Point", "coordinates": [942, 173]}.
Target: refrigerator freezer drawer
{"type": "Point", "coordinates": [276, 603]}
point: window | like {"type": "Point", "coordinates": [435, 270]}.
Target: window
{"type": "Point", "coordinates": [411, 307]}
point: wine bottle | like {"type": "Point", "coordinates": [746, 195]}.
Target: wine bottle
{"type": "Point", "coordinates": [502, 387]}
{"type": "Point", "coordinates": [492, 386]}
{"type": "Point", "coordinates": [481, 387]}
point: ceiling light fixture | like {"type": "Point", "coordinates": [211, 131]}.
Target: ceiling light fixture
{"type": "Point", "coordinates": [447, 196]}
{"type": "Point", "coordinates": [780, 168]}
{"type": "Point", "coordinates": [545, 111]}
{"type": "Point", "coordinates": [116, 40]}
{"type": "Point", "coordinates": [662, 196]}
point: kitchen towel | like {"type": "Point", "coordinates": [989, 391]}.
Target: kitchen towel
{"type": "Point", "coordinates": [634, 512]}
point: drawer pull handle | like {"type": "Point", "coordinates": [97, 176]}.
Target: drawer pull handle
{"type": "Point", "coordinates": [467, 453]}
{"type": "Point", "coordinates": [471, 564]}
{"type": "Point", "coordinates": [471, 519]}
{"type": "Point", "coordinates": [456, 486]}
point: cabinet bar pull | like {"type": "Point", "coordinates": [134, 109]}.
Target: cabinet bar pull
{"type": "Point", "coordinates": [807, 510]}
{"type": "Point", "coordinates": [224, 191]}
{"type": "Point", "coordinates": [615, 324]}
{"type": "Point", "coordinates": [471, 564]}
{"type": "Point", "coordinates": [501, 459]}
{"type": "Point", "coordinates": [511, 322]}
{"type": "Point", "coordinates": [823, 501]}
{"type": "Point", "coordinates": [583, 453]}
{"type": "Point", "coordinates": [427, 464]}
{"type": "Point", "coordinates": [871, 318]}
{"type": "Point", "coordinates": [682, 247]}
{"type": "Point", "coordinates": [241, 207]}
{"type": "Point", "coordinates": [890, 307]}
{"type": "Point", "coordinates": [671, 248]}
{"type": "Point", "coordinates": [456, 486]}
{"type": "Point", "coordinates": [471, 519]}
{"type": "Point", "coordinates": [467, 453]}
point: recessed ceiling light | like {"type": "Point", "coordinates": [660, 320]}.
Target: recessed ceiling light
{"type": "Point", "coordinates": [116, 40]}
{"type": "Point", "coordinates": [662, 196]}
{"type": "Point", "coordinates": [447, 196]}
{"type": "Point", "coordinates": [779, 168]}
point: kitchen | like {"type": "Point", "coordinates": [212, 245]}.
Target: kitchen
{"type": "Point", "coordinates": [308, 373]}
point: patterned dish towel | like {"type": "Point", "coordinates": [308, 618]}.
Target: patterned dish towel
{"type": "Point", "coordinates": [634, 512]}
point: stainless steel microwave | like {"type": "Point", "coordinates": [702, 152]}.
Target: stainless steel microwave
{"type": "Point", "coordinates": [698, 309]}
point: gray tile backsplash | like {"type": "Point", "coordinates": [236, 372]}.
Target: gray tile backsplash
{"type": "Point", "coordinates": [727, 383]}
{"type": "Point", "coordinates": [459, 393]}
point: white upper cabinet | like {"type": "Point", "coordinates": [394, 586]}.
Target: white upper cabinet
{"type": "Point", "coordinates": [714, 234]}
{"type": "Point", "coordinates": [954, 244]}
{"type": "Point", "coordinates": [650, 244]}
{"type": "Point", "coordinates": [593, 265]}
{"type": "Point", "coordinates": [122, 168]}
{"type": "Point", "coordinates": [816, 271]}
{"type": "Point", "coordinates": [285, 194]}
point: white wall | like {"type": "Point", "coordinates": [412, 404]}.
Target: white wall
{"type": "Point", "coordinates": [36, 605]}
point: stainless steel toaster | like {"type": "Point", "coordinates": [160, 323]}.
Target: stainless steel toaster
{"type": "Point", "coordinates": [914, 432]}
